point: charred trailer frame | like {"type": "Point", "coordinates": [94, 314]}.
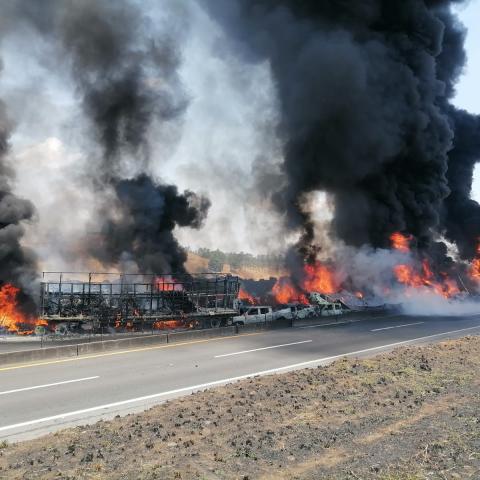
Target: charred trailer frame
{"type": "Point", "coordinates": [138, 301]}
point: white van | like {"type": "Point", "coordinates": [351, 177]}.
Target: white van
{"type": "Point", "coordinates": [254, 314]}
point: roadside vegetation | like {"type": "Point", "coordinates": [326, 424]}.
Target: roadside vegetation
{"type": "Point", "coordinates": [237, 260]}
{"type": "Point", "coordinates": [410, 414]}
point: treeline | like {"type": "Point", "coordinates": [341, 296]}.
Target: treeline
{"type": "Point", "coordinates": [217, 259]}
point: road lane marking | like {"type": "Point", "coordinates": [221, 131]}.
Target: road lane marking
{"type": "Point", "coordinates": [348, 321]}
{"type": "Point", "coordinates": [328, 324]}
{"type": "Point", "coordinates": [263, 348]}
{"type": "Point", "coordinates": [131, 350]}
{"type": "Point", "coordinates": [222, 382]}
{"type": "Point", "coordinates": [396, 326]}
{"type": "Point", "coordinates": [36, 387]}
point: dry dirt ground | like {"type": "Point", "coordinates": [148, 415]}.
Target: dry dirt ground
{"type": "Point", "coordinates": [410, 414]}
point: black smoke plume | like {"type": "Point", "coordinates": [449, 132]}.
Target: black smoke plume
{"type": "Point", "coordinates": [364, 91]}
{"type": "Point", "coordinates": [142, 232]}
{"type": "Point", "coordinates": [127, 79]}
{"type": "Point", "coordinates": [17, 263]}
{"type": "Point", "coordinates": [125, 71]}
{"type": "Point", "coordinates": [461, 216]}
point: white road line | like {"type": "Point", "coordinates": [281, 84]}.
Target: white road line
{"type": "Point", "coordinates": [36, 387]}
{"type": "Point", "coordinates": [348, 321]}
{"type": "Point", "coordinates": [223, 381]}
{"type": "Point", "coordinates": [263, 348]}
{"type": "Point", "coordinates": [328, 324]}
{"type": "Point", "coordinates": [396, 326]}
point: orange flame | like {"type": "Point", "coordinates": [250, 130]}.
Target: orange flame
{"type": "Point", "coordinates": [475, 269]}
{"type": "Point", "coordinates": [475, 265]}
{"type": "Point", "coordinates": [167, 324]}
{"type": "Point", "coordinates": [317, 278]}
{"type": "Point", "coordinates": [244, 295]}
{"type": "Point", "coordinates": [409, 276]}
{"type": "Point", "coordinates": [400, 242]}
{"type": "Point", "coordinates": [11, 318]}
{"type": "Point", "coordinates": [168, 284]}
{"type": "Point", "coordinates": [285, 292]}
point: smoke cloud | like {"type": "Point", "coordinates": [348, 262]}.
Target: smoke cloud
{"type": "Point", "coordinates": [363, 89]}
{"type": "Point", "coordinates": [125, 72]}
{"type": "Point", "coordinates": [142, 231]}
{"type": "Point", "coordinates": [17, 263]}
{"type": "Point", "coordinates": [127, 81]}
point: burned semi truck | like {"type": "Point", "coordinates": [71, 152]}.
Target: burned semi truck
{"type": "Point", "coordinates": [106, 301]}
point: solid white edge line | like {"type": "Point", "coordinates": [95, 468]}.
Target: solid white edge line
{"type": "Point", "coordinates": [36, 387]}
{"type": "Point", "coordinates": [223, 381]}
{"type": "Point", "coordinates": [396, 326]}
{"type": "Point", "coordinates": [262, 348]}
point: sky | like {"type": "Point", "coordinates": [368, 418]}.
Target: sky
{"type": "Point", "coordinates": [468, 95]}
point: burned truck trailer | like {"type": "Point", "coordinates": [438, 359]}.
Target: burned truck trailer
{"type": "Point", "coordinates": [138, 301]}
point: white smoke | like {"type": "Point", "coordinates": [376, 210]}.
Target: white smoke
{"type": "Point", "coordinates": [428, 303]}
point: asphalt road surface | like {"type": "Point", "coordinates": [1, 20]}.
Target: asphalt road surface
{"type": "Point", "coordinates": [13, 343]}
{"type": "Point", "coordinates": [49, 395]}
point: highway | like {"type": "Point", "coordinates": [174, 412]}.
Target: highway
{"type": "Point", "coordinates": [50, 395]}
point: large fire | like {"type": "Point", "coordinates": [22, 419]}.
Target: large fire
{"type": "Point", "coordinates": [423, 278]}
{"type": "Point", "coordinates": [316, 278]}
{"type": "Point", "coordinates": [11, 317]}
{"type": "Point", "coordinates": [413, 275]}
{"type": "Point", "coordinates": [420, 277]}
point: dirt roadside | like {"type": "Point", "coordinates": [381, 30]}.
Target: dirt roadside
{"type": "Point", "coordinates": [410, 414]}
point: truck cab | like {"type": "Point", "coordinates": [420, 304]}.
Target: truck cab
{"type": "Point", "coordinates": [253, 314]}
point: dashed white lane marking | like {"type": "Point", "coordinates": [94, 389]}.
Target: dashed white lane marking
{"type": "Point", "coordinates": [224, 381]}
{"type": "Point", "coordinates": [346, 321]}
{"type": "Point", "coordinates": [396, 326]}
{"type": "Point", "coordinates": [259, 349]}
{"type": "Point", "coordinates": [327, 324]}
{"type": "Point", "coordinates": [36, 387]}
